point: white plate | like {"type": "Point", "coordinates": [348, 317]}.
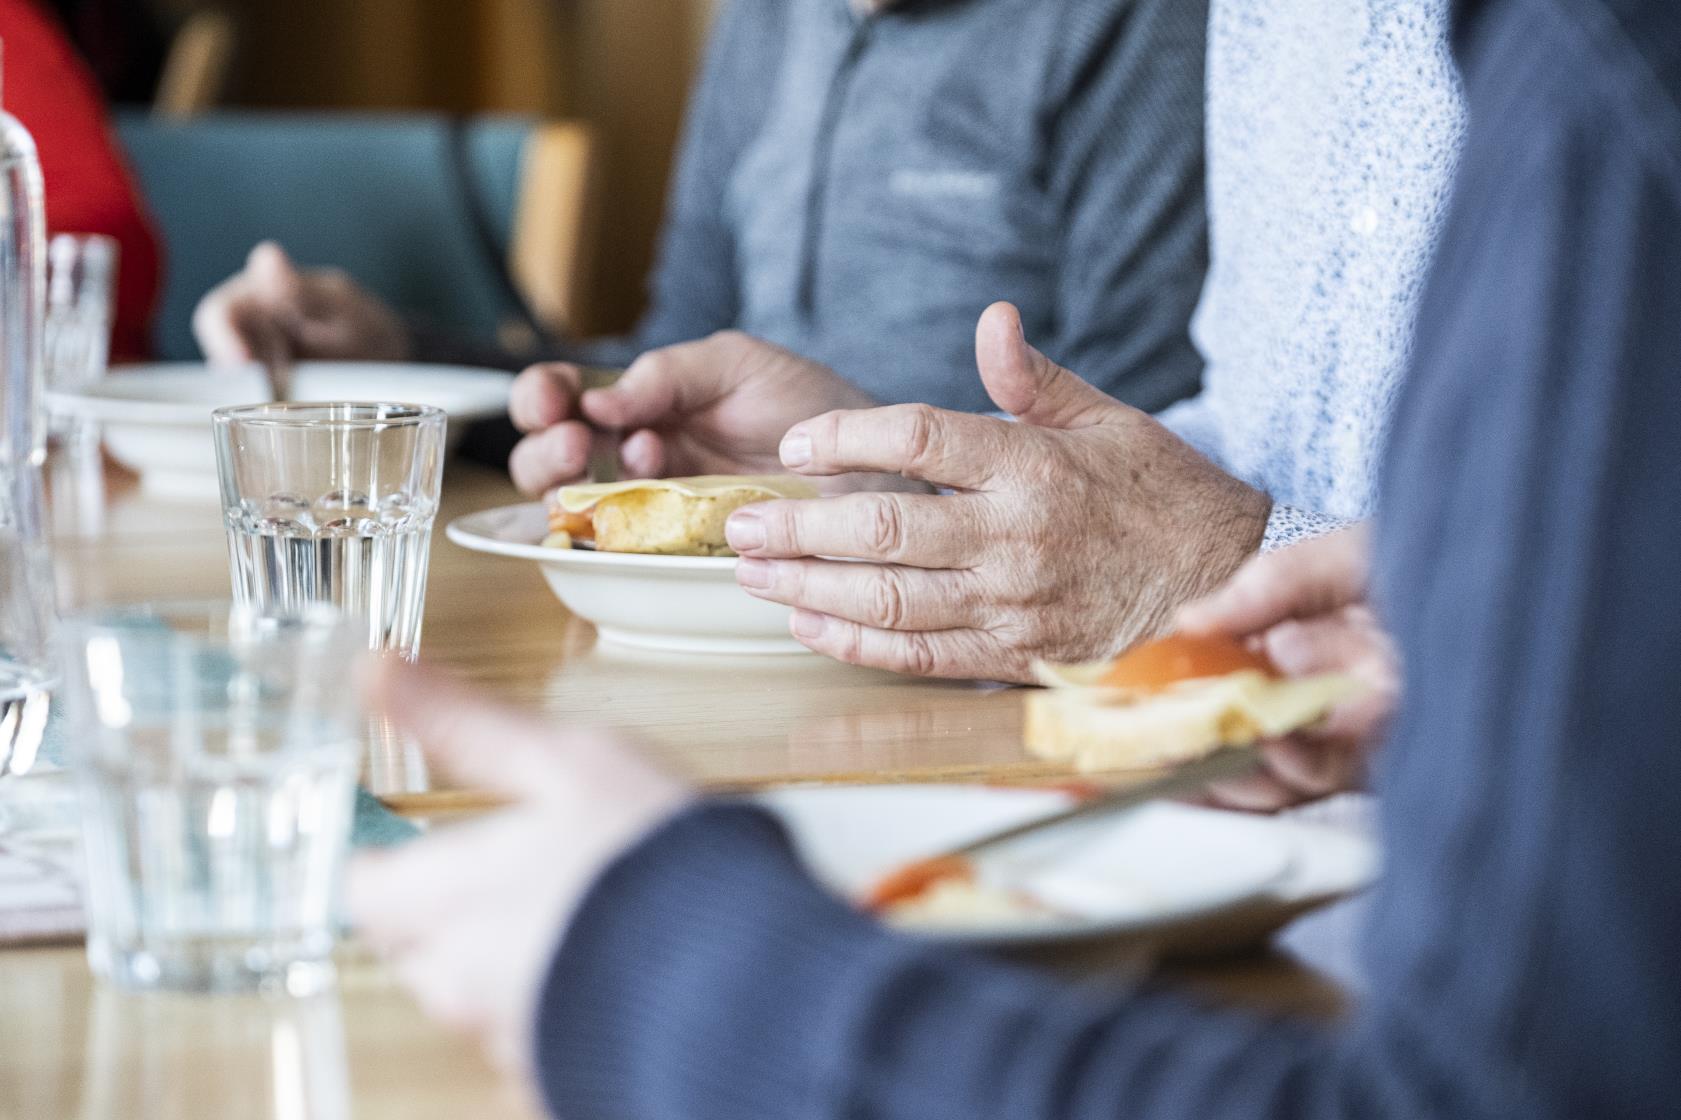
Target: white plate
{"type": "Point", "coordinates": [1163, 872]}
{"type": "Point", "coordinates": [687, 604]}
{"type": "Point", "coordinates": [156, 418]}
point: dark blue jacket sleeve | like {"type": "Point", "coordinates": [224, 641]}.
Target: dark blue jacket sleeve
{"type": "Point", "coordinates": [1522, 950]}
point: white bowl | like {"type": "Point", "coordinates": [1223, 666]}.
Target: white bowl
{"type": "Point", "coordinates": [155, 418]}
{"type": "Point", "coordinates": [688, 604]}
{"type": "Point", "coordinates": [1171, 877]}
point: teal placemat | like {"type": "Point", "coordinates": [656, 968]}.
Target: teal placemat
{"type": "Point", "coordinates": [374, 826]}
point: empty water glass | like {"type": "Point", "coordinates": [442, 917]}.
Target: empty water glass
{"type": "Point", "coordinates": [81, 275]}
{"type": "Point", "coordinates": [216, 752]}
{"type": "Point", "coordinates": [333, 503]}
{"type": "Point", "coordinates": [81, 278]}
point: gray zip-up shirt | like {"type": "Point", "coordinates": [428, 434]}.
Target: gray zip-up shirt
{"type": "Point", "coordinates": [858, 187]}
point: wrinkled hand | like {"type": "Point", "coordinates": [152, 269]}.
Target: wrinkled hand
{"type": "Point", "coordinates": [1306, 606]}
{"type": "Point", "coordinates": [470, 915]}
{"type": "Point", "coordinates": [272, 312]}
{"type": "Point", "coordinates": [1072, 533]}
{"type": "Point", "coordinates": [715, 406]}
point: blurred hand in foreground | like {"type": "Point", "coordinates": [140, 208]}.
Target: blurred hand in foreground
{"type": "Point", "coordinates": [1306, 607]}
{"type": "Point", "coordinates": [1071, 534]}
{"type": "Point", "coordinates": [470, 915]}
{"type": "Point", "coordinates": [715, 406]}
{"type": "Point", "coordinates": [275, 313]}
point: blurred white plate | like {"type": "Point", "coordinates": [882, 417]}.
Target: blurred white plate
{"type": "Point", "coordinates": [1165, 873]}
{"type": "Point", "coordinates": [156, 418]}
{"type": "Point", "coordinates": [687, 604]}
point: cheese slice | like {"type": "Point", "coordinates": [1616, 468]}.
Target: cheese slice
{"type": "Point", "coordinates": [578, 499]}
{"type": "Point", "coordinates": [1101, 728]}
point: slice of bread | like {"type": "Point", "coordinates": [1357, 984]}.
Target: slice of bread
{"type": "Point", "coordinates": [1097, 728]}
{"type": "Point", "coordinates": [666, 516]}
{"type": "Point", "coordinates": [667, 522]}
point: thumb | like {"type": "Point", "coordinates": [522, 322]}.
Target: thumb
{"type": "Point", "coordinates": [481, 745]}
{"type": "Point", "coordinates": [1025, 383]}
{"type": "Point", "coordinates": [1304, 581]}
{"type": "Point", "coordinates": [656, 388]}
{"type": "Point", "coordinates": [273, 275]}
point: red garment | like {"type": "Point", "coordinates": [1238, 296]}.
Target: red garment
{"type": "Point", "coordinates": [47, 86]}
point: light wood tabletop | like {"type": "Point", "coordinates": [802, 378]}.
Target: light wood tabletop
{"type": "Point", "coordinates": [69, 1047]}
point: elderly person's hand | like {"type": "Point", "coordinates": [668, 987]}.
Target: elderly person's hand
{"type": "Point", "coordinates": [1070, 535]}
{"type": "Point", "coordinates": [272, 312]}
{"type": "Point", "coordinates": [1306, 607]}
{"type": "Point", "coordinates": [469, 916]}
{"type": "Point", "coordinates": [718, 405]}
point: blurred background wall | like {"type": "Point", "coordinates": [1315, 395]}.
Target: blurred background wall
{"type": "Point", "coordinates": [622, 65]}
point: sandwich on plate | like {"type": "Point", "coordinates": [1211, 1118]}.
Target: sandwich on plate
{"type": "Point", "coordinates": [1169, 701]}
{"type": "Point", "coordinates": [661, 516]}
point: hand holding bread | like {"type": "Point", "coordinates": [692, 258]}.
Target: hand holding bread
{"type": "Point", "coordinates": [1305, 608]}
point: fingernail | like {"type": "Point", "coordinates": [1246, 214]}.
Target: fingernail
{"type": "Point", "coordinates": [756, 574]}
{"type": "Point", "coordinates": [796, 449]}
{"type": "Point", "coordinates": [808, 624]}
{"type": "Point", "coordinates": [745, 530]}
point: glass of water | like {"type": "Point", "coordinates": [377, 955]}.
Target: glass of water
{"type": "Point", "coordinates": [81, 280]}
{"type": "Point", "coordinates": [333, 503]}
{"type": "Point", "coordinates": [216, 752]}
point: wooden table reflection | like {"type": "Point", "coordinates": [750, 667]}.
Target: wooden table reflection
{"type": "Point", "coordinates": [71, 1048]}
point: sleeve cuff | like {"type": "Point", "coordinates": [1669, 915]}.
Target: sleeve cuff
{"type": "Point", "coordinates": [1288, 525]}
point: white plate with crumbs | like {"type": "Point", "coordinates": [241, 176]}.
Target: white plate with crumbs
{"type": "Point", "coordinates": [155, 418]}
{"type": "Point", "coordinates": [681, 604]}
{"type": "Point", "coordinates": [1175, 876]}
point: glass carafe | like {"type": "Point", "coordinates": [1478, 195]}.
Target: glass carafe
{"type": "Point", "coordinates": [26, 589]}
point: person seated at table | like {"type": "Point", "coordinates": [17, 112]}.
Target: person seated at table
{"type": "Point", "coordinates": [1528, 525]}
{"type": "Point", "coordinates": [859, 184]}
{"type": "Point", "coordinates": [1080, 529]}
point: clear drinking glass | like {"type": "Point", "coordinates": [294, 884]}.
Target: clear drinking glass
{"type": "Point", "coordinates": [333, 503]}
{"type": "Point", "coordinates": [26, 590]}
{"type": "Point", "coordinates": [216, 753]}
{"type": "Point", "coordinates": [81, 278]}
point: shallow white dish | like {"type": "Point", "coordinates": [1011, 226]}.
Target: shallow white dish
{"type": "Point", "coordinates": [1167, 874]}
{"type": "Point", "coordinates": [687, 604]}
{"type": "Point", "coordinates": [155, 418]}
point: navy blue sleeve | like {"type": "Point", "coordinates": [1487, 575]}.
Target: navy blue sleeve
{"type": "Point", "coordinates": [1522, 949]}
{"type": "Point", "coordinates": [709, 978]}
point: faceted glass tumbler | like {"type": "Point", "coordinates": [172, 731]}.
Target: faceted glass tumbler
{"type": "Point", "coordinates": [216, 752]}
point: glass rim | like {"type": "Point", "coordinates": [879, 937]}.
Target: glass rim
{"type": "Point", "coordinates": [330, 415]}
{"type": "Point", "coordinates": [184, 617]}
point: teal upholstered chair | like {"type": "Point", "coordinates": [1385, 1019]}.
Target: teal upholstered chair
{"type": "Point", "coordinates": [474, 227]}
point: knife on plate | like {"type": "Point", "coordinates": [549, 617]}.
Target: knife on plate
{"type": "Point", "coordinates": [913, 878]}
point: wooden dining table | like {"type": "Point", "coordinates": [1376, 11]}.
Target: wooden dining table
{"type": "Point", "coordinates": [72, 1047]}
